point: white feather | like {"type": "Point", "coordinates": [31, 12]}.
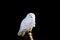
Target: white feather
{"type": "Point", "coordinates": [27, 24]}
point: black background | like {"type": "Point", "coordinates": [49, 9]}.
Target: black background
{"type": "Point", "coordinates": [47, 18]}
{"type": "Point", "coordinates": [42, 11]}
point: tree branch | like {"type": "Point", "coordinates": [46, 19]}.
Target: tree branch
{"type": "Point", "coordinates": [28, 36]}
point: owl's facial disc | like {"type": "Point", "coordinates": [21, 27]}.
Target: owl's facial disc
{"type": "Point", "coordinates": [30, 16]}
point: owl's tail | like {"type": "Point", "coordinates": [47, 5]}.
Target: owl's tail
{"type": "Point", "coordinates": [21, 33]}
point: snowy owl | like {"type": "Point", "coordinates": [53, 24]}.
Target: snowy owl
{"type": "Point", "coordinates": [27, 24]}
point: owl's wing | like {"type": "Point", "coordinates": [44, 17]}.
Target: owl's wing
{"type": "Point", "coordinates": [23, 25]}
{"type": "Point", "coordinates": [30, 23]}
{"type": "Point", "coordinates": [27, 23]}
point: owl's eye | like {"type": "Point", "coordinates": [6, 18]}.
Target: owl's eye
{"type": "Point", "coordinates": [30, 16]}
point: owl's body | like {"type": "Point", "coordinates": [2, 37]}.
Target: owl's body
{"type": "Point", "coordinates": [27, 24]}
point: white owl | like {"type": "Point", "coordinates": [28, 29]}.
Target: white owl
{"type": "Point", "coordinates": [27, 24]}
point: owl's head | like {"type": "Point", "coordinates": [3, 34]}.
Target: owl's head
{"type": "Point", "coordinates": [31, 15]}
